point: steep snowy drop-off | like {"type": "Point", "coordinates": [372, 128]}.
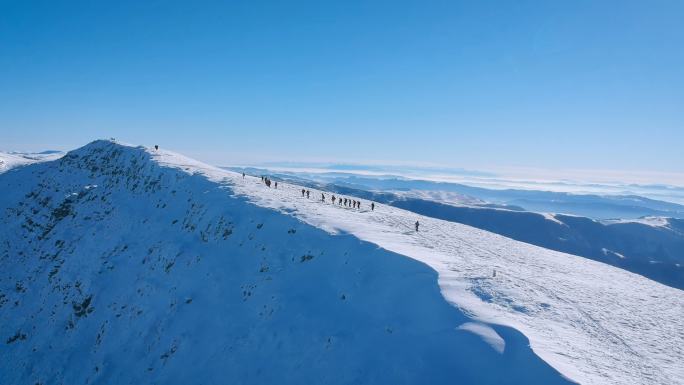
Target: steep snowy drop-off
{"type": "Point", "coordinates": [595, 323]}
{"type": "Point", "coordinates": [124, 265]}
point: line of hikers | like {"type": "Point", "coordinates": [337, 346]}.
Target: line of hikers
{"type": "Point", "coordinates": [346, 202]}
{"type": "Point", "coordinates": [265, 180]}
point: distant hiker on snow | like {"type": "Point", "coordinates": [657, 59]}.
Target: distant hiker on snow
{"type": "Point", "coordinates": [243, 175]}
{"type": "Point", "coordinates": [307, 193]}
{"type": "Point", "coordinates": [303, 192]}
{"type": "Point", "coordinates": [417, 224]}
{"type": "Point", "coordinates": [276, 184]}
{"type": "Point", "coordinates": [345, 202]}
{"type": "Point", "coordinates": [333, 199]}
{"type": "Point", "coordinates": [156, 147]}
{"type": "Point", "coordinates": [322, 197]}
{"type": "Point", "coordinates": [372, 206]}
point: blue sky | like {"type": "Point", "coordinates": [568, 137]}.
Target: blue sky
{"type": "Point", "coordinates": [479, 84]}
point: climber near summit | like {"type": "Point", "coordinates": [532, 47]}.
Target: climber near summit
{"type": "Point", "coordinates": [417, 224]}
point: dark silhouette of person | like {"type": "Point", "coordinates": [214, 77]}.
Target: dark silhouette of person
{"type": "Point", "coordinates": [417, 224]}
{"type": "Point", "coordinates": [322, 197]}
{"type": "Point", "coordinates": [303, 192]}
{"type": "Point", "coordinates": [372, 206]}
{"type": "Point", "coordinates": [156, 147]}
{"type": "Point", "coordinates": [333, 199]}
{"type": "Point", "coordinates": [307, 193]}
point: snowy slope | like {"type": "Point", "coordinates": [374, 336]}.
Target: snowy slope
{"type": "Point", "coordinates": [10, 160]}
{"type": "Point", "coordinates": [117, 269]}
{"type": "Point", "coordinates": [648, 221]}
{"type": "Point", "coordinates": [595, 323]}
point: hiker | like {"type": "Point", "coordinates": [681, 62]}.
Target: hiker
{"type": "Point", "coordinates": [358, 205]}
{"type": "Point", "coordinates": [322, 197]}
{"type": "Point", "coordinates": [303, 192]}
{"type": "Point", "coordinates": [333, 199]}
{"type": "Point", "coordinates": [372, 206]}
{"type": "Point", "coordinates": [417, 224]}
{"type": "Point", "coordinates": [276, 185]}
{"type": "Point", "coordinates": [307, 194]}
{"type": "Point", "coordinates": [340, 201]}
{"type": "Point", "coordinates": [243, 175]}
{"type": "Point", "coordinates": [156, 147]}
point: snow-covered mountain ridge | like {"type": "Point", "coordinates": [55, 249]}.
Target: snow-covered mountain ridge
{"type": "Point", "coordinates": [594, 323]}
{"type": "Point", "coordinates": [117, 269]}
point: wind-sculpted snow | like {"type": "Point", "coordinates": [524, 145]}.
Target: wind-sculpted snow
{"type": "Point", "coordinates": [595, 323]}
{"type": "Point", "coordinates": [127, 266]}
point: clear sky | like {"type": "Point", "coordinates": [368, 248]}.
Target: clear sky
{"type": "Point", "coordinates": [554, 84]}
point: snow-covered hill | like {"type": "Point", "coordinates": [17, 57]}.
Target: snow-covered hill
{"type": "Point", "coordinates": [115, 268]}
{"type": "Point", "coordinates": [121, 264]}
{"type": "Point", "coordinates": [10, 160]}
